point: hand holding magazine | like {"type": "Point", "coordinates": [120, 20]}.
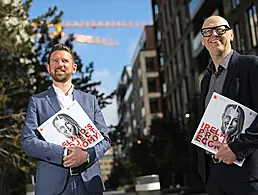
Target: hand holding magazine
{"type": "Point", "coordinates": [71, 126]}
{"type": "Point", "coordinates": [223, 121]}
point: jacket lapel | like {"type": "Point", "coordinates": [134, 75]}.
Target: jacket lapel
{"type": "Point", "coordinates": [231, 72]}
{"type": "Point", "coordinates": [52, 99]}
{"type": "Point", "coordinates": [77, 96]}
{"type": "Point", "coordinates": [204, 91]}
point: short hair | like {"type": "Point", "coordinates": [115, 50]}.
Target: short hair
{"type": "Point", "coordinates": [61, 47]}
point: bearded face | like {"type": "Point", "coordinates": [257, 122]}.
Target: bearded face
{"type": "Point", "coordinates": [61, 66]}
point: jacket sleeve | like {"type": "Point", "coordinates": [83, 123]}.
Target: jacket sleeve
{"type": "Point", "coordinates": [32, 145]}
{"type": "Point", "coordinates": [96, 152]}
{"type": "Point", "coordinates": [247, 142]}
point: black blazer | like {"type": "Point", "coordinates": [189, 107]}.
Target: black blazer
{"type": "Point", "coordinates": [241, 85]}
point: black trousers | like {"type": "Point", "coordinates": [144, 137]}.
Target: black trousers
{"type": "Point", "coordinates": [75, 186]}
{"type": "Point", "coordinates": [219, 184]}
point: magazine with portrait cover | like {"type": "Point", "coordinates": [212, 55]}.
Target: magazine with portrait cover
{"type": "Point", "coordinates": [71, 126]}
{"type": "Point", "coordinates": [223, 121]}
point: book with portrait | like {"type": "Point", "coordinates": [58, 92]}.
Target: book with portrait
{"type": "Point", "coordinates": [223, 121]}
{"type": "Point", "coordinates": [71, 126]}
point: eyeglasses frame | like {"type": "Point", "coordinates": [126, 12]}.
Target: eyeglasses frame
{"type": "Point", "coordinates": [214, 28]}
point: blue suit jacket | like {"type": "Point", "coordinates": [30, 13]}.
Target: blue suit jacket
{"type": "Point", "coordinates": [51, 175]}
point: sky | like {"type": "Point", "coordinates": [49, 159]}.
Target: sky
{"type": "Point", "coordinates": [108, 60]}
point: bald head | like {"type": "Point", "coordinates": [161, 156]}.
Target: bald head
{"type": "Point", "coordinates": [214, 20]}
{"type": "Point", "coordinates": [217, 37]}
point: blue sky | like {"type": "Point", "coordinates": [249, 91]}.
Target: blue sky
{"type": "Point", "coordinates": [108, 60]}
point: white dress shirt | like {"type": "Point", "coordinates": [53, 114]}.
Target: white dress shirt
{"type": "Point", "coordinates": [64, 101]}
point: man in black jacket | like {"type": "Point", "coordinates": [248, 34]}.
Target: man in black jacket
{"type": "Point", "coordinates": [234, 76]}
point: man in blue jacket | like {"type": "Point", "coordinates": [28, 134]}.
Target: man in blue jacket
{"type": "Point", "coordinates": [60, 170]}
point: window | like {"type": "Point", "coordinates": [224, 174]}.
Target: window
{"type": "Point", "coordinates": [238, 42]}
{"type": "Point", "coordinates": [154, 107]}
{"type": "Point", "coordinates": [161, 60]}
{"type": "Point", "coordinates": [184, 94]}
{"type": "Point", "coordinates": [143, 112]}
{"type": "Point", "coordinates": [235, 3]}
{"type": "Point", "coordinates": [179, 63]}
{"type": "Point", "coordinates": [139, 72]}
{"type": "Point", "coordinates": [150, 64]}
{"type": "Point", "coordinates": [134, 123]}
{"type": "Point", "coordinates": [164, 87]}
{"type": "Point", "coordinates": [186, 14]}
{"type": "Point", "coordinates": [252, 21]}
{"type": "Point", "coordinates": [178, 27]}
{"type": "Point", "coordinates": [141, 92]}
{"type": "Point", "coordinates": [170, 72]}
{"type": "Point", "coordinates": [168, 42]}
{"type": "Point", "coordinates": [173, 35]}
{"type": "Point", "coordinates": [175, 67]}
{"type": "Point", "coordinates": [152, 85]}
{"type": "Point", "coordinates": [171, 5]}
{"type": "Point", "coordinates": [165, 14]}
{"type": "Point", "coordinates": [159, 35]}
{"type": "Point", "coordinates": [156, 9]}
{"type": "Point", "coordinates": [174, 108]}
{"type": "Point", "coordinates": [132, 107]}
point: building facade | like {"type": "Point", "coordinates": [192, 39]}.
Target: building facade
{"type": "Point", "coordinates": [138, 92]}
{"type": "Point", "coordinates": [106, 164]}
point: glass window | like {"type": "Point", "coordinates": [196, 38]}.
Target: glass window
{"type": "Point", "coordinates": [143, 112]}
{"type": "Point", "coordinates": [178, 28]}
{"type": "Point", "coordinates": [174, 108]}
{"type": "Point", "coordinates": [171, 5]}
{"type": "Point", "coordinates": [132, 107]}
{"type": "Point", "coordinates": [186, 14]}
{"type": "Point", "coordinates": [150, 64]}
{"type": "Point", "coordinates": [154, 105]}
{"type": "Point", "coordinates": [156, 9]}
{"type": "Point", "coordinates": [252, 21]}
{"type": "Point", "coordinates": [159, 35]}
{"type": "Point", "coordinates": [161, 59]}
{"type": "Point", "coordinates": [238, 42]}
{"type": "Point", "coordinates": [235, 3]}
{"type": "Point", "coordinates": [141, 92]}
{"type": "Point", "coordinates": [164, 87]}
{"type": "Point", "coordinates": [152, 85]}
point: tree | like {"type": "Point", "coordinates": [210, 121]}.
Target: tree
{"type": "Point", "coordinates": [16, 60]}
{"type": "Point", "coordinates": [173, 162]}
{"type": "Point", "coordinates": [23, 73]}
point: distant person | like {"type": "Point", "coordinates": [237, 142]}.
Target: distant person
{"type": "Point", "coordinates": [61, 170]}
{"type": "Point", "coordinates": [234, 76]}
{"type": "Point", "coordinates": [233, 120]}
{"type": "Point", "coordinates": [66, 125]}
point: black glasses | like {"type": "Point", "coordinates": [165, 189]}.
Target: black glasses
{"type": "Point", "coordinates": [220, 30]}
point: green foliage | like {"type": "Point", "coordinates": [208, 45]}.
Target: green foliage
{"type": "Point", "coordinates": [22, 74]}
{"type": "Point", "coordinates": [164, 152]}
{"type": "Point", "coordinates": [170, 148]}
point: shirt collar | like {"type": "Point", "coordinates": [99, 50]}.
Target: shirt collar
{"type": "Point", "coordinates": [60, 93]}
{"type": "Point", "coordinates": [223, 65]}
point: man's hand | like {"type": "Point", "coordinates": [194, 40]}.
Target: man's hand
{"type": "Point", "coordinates": [225, 154]}
{"type": "Point", "coordinates": [75, 157]}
